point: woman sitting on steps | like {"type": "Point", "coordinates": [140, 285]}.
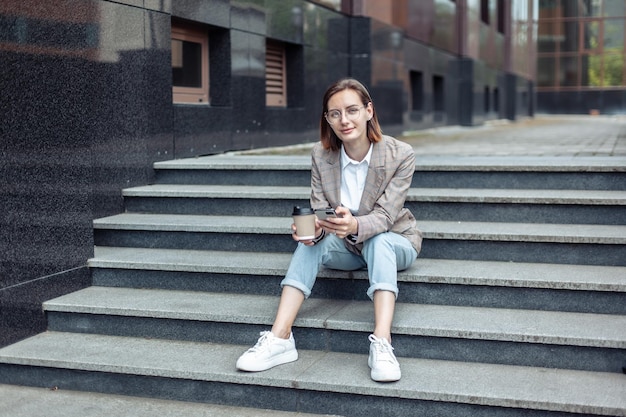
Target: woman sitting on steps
{"type": "Point", "coordinates": [365, 176]}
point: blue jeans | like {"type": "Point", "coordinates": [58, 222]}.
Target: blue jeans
{"type": "Point", "coordinates": [383, 255]}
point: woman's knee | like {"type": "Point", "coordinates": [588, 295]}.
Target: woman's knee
{"type": "Point", "coordinates": [390, 246]}
{"type": "Point", "coordinates": [381, 243]}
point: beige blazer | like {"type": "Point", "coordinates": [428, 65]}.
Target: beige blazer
{"type": "Point", "coordinates": [386, 186]}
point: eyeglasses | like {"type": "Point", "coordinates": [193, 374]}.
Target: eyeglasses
{"type": "Point", "coordinates": [352, 113]}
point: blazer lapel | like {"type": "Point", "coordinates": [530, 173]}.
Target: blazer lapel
{"type": "Point", "coordinates": [334, 191]}
{"type": "Point", "coordinates": [374, 179]}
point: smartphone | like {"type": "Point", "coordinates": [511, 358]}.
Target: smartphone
{"type": "Point", "coordinates": [323, 214]}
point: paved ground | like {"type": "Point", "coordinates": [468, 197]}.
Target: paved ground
{"type": "Point", "coordinates": [540, 136]}
{"type": "Point", "coordinates": [572, 136]}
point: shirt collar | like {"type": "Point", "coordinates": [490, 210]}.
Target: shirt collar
{"type": "Point", "coordinates": [346, 160]}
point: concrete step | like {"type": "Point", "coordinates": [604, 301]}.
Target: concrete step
{"type": "Point", "coordinates": [23, 401]}
{"type": "Point", "coordinates": [475, 204]}
{"type": "Point", "coordinates": [594, 342]}
{"type": "Point", "coordinates": [515, 242]}
{"type": "Point", "coordinates": [580, 173]}
{"type": "Point", "coordinates": [319, 382]}
{"type": "Point", "coordinates": [575, 288]}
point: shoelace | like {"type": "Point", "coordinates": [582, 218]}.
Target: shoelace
{"type": "Point", "coordinates": [264, 340]}
{"type": "Point", "coordinates": [384, 351]}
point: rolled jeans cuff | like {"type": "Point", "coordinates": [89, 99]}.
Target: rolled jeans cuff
{"type": "Point", "coordinates": [297, 285]}
{"type": "Point", "coordinates": [382, 287]}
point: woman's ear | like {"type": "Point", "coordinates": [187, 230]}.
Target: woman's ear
{"type": "Point", "coordinates": [370, 111]}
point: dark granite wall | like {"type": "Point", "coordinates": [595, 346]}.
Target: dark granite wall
{"type": "Point", "coordinates": [86, 108]}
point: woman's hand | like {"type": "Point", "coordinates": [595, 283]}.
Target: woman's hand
{"type": "Point", "coordinates": [340, 226]}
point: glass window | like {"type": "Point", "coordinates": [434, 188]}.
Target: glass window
{"type": "Point", "coordinates": [568, 71]}
{"type": "Point", "coordinates": [575, 8]}
{"type": "Point", "coordinates": [613, 69]}
{"type": "Point", "coordinates": [546, 45]}
{"type": "Point", "coordinates": [501, 14]}
{"type": "Point", "coordinates": [484, 11]}
{"type": "Point", "coordinates": [549, 36]}
{"type": "Point", "coordinates": [546, 70]}
{"type": "Point", "coordinates": [614, 34]}
{"type": "Point", "coordinates": [587, 42]}
{"type": "Point", "coordinates": [190, 65]}
{"type": "Point", "coordinates": [595, 7]}
{"type": "Point", "coordinates": [591, 35]}
{"type": "Point", "coordinates": [186, 63]}
{"type": "Point", "coordinates": [551, 28]}
{"type": "Point", "coordinates": [591, 69]}
{"type": "Point", "coordinates": [604, 70]}
{"type": "Point", "coordinates": [441, 30]}
{"type": "Point", "coordinates": [614, 8]}
{"type": "Point", "coordinates": [569, 42]}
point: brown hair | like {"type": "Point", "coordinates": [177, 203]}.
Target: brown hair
{"type": "Point", "coordinates": [327, 135]}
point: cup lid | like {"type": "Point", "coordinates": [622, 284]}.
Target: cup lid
{"type": "Point", "coordinates": [301, 211]}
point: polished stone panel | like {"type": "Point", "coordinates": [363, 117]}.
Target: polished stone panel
{"type": "Point", "coordinates": [249, 16]}
{"type": "Point", "coordinates": [21, 313]}
{"type": "Point", "coordinates": [325, 29]}
{"type": "Point", "coordinates": [214, 12]}
{"type": "Point", "coordinates": [285, 20]}
{"type": "Point", "coordinates": [202, 130]}
{"type": "Point", "coordinates": [85, 109]}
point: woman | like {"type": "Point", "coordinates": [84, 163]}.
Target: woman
{"type": "Point", "coordinates": [365, 176]}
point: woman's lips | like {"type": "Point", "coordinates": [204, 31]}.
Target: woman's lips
{"type": "Point", "coordinates": [346, 131]}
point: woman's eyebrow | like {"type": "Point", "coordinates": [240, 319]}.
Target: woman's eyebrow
{"type": "Point", "coordinates": [347, 107]}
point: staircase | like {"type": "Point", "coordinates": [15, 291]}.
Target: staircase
{"type": "Point", "coordinates": [515, 307]}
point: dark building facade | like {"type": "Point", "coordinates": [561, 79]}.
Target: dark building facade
{"type": "Point", "coordinates": [581, 56]}
{"type": "Point", "coordinates": [95, 91]}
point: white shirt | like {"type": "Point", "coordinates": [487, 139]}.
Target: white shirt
{"type": "Point", "coordinates": [353, 174]}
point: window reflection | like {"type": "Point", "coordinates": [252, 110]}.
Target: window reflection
{"type": "Point", "coordinates": [331, 4]}
{"type": "Point", "coordinates": [546, 71]}
{"type": "Point", "coordinates": [591, 36]}
{"type": "Point", "coordinates": [186, 63]}
{"type": "Point", "coordinates": [581, 43]}
{"type": "Point", "coordinates": [613, 34]}
{"type": "Point", "coordinates": [613, 67]}
{"type": "Point", "coordinates": [568, 71]}
{"type": "Point", "coordinates": [614, 8]}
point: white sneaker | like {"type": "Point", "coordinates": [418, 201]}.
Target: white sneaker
{"type": "Point", "coordinates": [268, 352]}
{"type": "Point", "coordinates": [382, 361]}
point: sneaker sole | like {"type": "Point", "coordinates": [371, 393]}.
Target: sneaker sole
{"type": "Point", "coordinates": [386, 376]}
{"type": "Point", "coordinates": [281, 359]}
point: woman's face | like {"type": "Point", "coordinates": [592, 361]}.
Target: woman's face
{"type": "Point", "coordinates": [351, 116]}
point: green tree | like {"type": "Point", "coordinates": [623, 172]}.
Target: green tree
{"type": "Point", "coordinates": [613, 65]}
{"type": "Point", "coordinates": [614, 69]}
